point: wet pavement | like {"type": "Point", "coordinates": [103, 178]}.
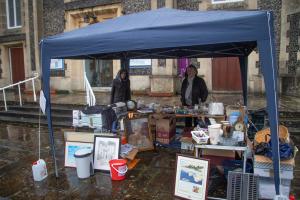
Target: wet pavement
{"type": "Point", "coordinates": [152, 178]}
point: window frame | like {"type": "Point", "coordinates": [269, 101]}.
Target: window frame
{"type": "Point", "coordinates": [225, 1]}
{"type": "Point", "coordinates": [58, 72]}
{"type": "Point", "coordinates": [140, 66]}
{"type": "Point", "coordinates": [15, 15]}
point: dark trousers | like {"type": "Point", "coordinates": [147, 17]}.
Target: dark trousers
{"type": "Point", "coordinates": [189, 121]}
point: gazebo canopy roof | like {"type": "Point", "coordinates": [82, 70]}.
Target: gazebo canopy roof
{"type": "Point", "coordinates": [164, 33]}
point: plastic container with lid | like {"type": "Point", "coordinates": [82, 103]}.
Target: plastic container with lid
{"type": "Point", "coordinates": [84, 163]}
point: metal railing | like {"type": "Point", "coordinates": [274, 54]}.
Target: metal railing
{"type": "Point", "coordinates": [19, 88]}
{"type": "Point", "coordinates": [90, 96]}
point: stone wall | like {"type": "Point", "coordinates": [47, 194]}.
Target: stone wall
{"type": "Point", "coordinates": [79, 4]}
{"type": "Point", "coordinates": [54, 10]}
{"type": "Point", "coordinates": [275, 6]}
{"type": "Point", "coordinates": [293, 64]}
{"type": "Point", "coordinates": [188, 4]}
{"type": "Point", "coordinates": [31, 35]}
{"type": "Point", "coordinates": [53, 17]}
{"type": "Point", "coordinates": [12, 37]}
{"type": "Point", "coordinates": [2, 16]}
{"type": "Point", "coordinates": [133, 6]}
{"type": "Point", "coordinates": [291, 82]}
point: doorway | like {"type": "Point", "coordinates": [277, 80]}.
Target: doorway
{"type": "Point", "coordinates": [16, 56]}
{"type": "Point", "coordinates": [226, 74]}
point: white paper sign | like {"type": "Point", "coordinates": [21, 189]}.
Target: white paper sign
{"type": "Point", "coordinates": [42, 101]}
{"type": "Point", "coordinates": [57, 64]}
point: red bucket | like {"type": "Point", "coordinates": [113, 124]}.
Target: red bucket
{"type": "Point", "coordinates": [118, 169]}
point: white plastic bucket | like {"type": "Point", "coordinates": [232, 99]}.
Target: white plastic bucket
{"type": "Point", "coordinates": [39, 170]}
{"type": "Point", "coordinates": [214, 132]}
{"type": "Point", "coordinates": [84, 163]}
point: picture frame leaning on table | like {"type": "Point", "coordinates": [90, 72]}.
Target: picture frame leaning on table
{"type": "Point", "coordinates": [192, 175]}
{"type": "Point", "coordinates": [106, 148]}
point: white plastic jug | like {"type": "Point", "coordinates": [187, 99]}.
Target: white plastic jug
{"type": "Point", "coordinates": [39, 170]}
{"type": "Point", "coordinates": [84, 163]}
{"type": "Point", "coordinates": [215, 132]}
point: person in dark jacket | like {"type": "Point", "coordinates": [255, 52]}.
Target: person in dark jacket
{"type": "Point", "coordinates": [120, 91]}
{"type": "Point", "coordinates": [193, 90]}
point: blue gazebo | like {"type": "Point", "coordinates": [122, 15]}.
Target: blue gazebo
{"type": "Point", "coordinates": [170, 33]}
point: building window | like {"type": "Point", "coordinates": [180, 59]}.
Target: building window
{"type": "Point", "coordinates": [99, 72]}
{"type": "Point", "coordinates": [13, 13]}
{"type": "Point", "coordinates": [57, 68]}
{"type": "Point", "coordinates": [140, 66]}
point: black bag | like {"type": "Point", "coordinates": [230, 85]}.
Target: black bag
{"type": "Point", "coordinates": [262, 148]}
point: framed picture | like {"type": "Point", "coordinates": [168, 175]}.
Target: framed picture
{"type": "Point", "coordinates": [191, 178]}
{"type": "Point", "coordinates": [71, 148]}
{"type": "Point", "coordinates": [138, 133]}
{"type": "Point", "coordinates": [106, 148]}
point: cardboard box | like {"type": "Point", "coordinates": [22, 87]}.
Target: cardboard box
{"type": "Point", "coordinates": [166, 128]}
{"type": "Point", "coordinates": [153, 118]}
{"type": "Point", "coordinates": [264, 159]}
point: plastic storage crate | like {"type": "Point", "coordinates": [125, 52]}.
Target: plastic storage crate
{"type": "Point", "coordinates": [258, 119]}
{"type": "Point", "coordinates": [242, 186]}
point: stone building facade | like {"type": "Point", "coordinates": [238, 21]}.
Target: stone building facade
{"type": "Point", "coordinates": [160, 77]}
{"type": "Point", "coordinates": [19, 38]}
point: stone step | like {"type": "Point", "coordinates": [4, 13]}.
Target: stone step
{"type": "Point", "coordinates": [289, 114]}
{"type": "Point", "coordinates": [291, 123]}
{"type": "Point", "coordinates": [14, 120]}
{"type": "Point", "coordinates": [36, 104]}
{"type": "Point", "coordinates": [35, 109]}
{"type": "Point", "coordinates": [295, 131]}
{"type": "Point", "coordinates": [282, 113]}
{"type": "Point", "coordinates": [35, 115]}
{"type": "Point", "coordinates": [29, 113]}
